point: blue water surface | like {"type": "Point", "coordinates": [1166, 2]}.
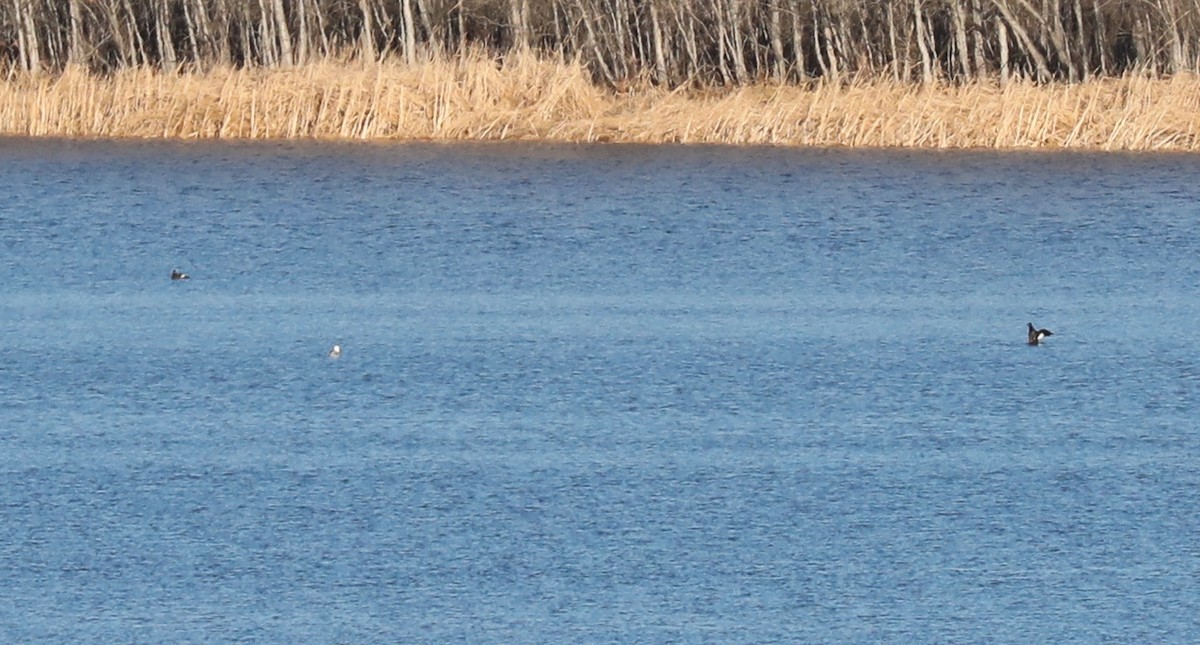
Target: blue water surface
{"type": "Point", "coordinates": [597, 394]}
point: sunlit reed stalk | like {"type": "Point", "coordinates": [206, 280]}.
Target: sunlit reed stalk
{"type": "Point", "coordinates": [528, 98]}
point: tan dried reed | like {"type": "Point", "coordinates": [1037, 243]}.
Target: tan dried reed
{"type": "Point", "coordinates": [526, 98]}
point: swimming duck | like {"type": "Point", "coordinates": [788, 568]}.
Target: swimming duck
{"type": "Point", "coordinates": [335, 352]}
{"type": "Point", "coordinates": [1036, 335]}
{"type": "Point", "coordinates": [176, 274]}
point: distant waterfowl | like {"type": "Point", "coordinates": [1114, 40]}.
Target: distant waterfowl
{"type": "Point", "coordinates": [1036, 335]}
{"type": "Point", "coordinates": [335, 352]}
{"type": "Point", "coordinates": [176, 274]}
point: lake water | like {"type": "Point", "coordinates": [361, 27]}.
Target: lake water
{"type": "Point", "coordinates": [596, 394]}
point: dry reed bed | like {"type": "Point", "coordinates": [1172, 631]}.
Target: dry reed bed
{"type": "Point", "coordinates": [525, 98]}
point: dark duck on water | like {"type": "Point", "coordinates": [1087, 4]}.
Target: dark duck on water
{"type": "Point", "coordinates": [1036, 335]}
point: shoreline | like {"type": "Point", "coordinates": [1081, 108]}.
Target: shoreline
{"type": "Point", "coordinates": [531, 99]}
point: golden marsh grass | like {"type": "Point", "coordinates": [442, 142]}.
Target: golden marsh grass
{"type": "Point", "coordinates": [527, 98]}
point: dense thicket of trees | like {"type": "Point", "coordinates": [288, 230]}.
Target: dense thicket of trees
{"type": "Point", "coordinates": [668, 41]}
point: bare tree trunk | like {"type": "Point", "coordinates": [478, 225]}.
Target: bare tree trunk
{"type": "Point", "coordinates": [818, 43]}
{"type": "Point", "coordinates": [1142, 44]}
{"type": "Point", "coordinates": [76, 51]}
{"type": "Point", "coordinates": [410, 36]}
{"type": "Point", "coordinates": [926, 63]}
{"type": "Point", "coordinates": [798, 43]}
{"type": "Point", "coordinates": [1002, 36]}
{"type": "Point", "coordinates": [206, 47]}
{"type": "Point", "coordinates": [193, 42]}
{"type": "Point", "coordinates": [1060, 39]}
{"type": "Point", "coordinates": [564, 35]}
{"type": "Point", "coordinates": [462, 28]}
{"type": "Point", "coordinates": [874, 59]}
{"type": "Point", "coordinates": [432, 28]}
{"type": "Point", "coordinates": [268, 44]}
{"type": "Point", "coordinates": [27, 37]}
{"type": "Point", "coordinates": [982, 66]}
{"type": "Point", "coordinates": [1085, 58]}
{"type": "Point", "coordinates": [844, 46]}
{"type": "Point", "coordinates": [519, 23]}
{"type": "Point", "coordinates": [302, 34]}
{"type": "Point", "coordinates": [54, 48]}
{"type": "Point", "coordinates": [1101, 41]}
{"type": "Point", "coordinates": [283, 34]}
{"type": "Point", "coordinates": [162, 33]}
{"type": "Point", "coordinates": [660, 60]}
{"type": "Point", "coordinates": [135, 36]}
{"type": "Point", "coordinates": [622, 55]}
{"type": "Point", "coordinates": [776, 35]}
{"type": "Point", "coordinates": [722, 40]}
{"type": "Point", "coordinates": [960, 39]}
{"type": "Point", "coordinates": [834, 68]}
{"type": "Point", "coordinates": [1175, 61]}
{"type": "Point", "coordinates": [326, 48]}
{"type": "Point", "coordinates": [247, 47]}
{"type": "Point", "coordinates": [222, 38]}
{"type": "Point", "coordinates": [894, 51]}
{"type": "Point", "coordinates": [689, 40]}
{"type": "Point", "coordinates": [367, 37]}
{"type": "Point", "coordinates": [739, 46]}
